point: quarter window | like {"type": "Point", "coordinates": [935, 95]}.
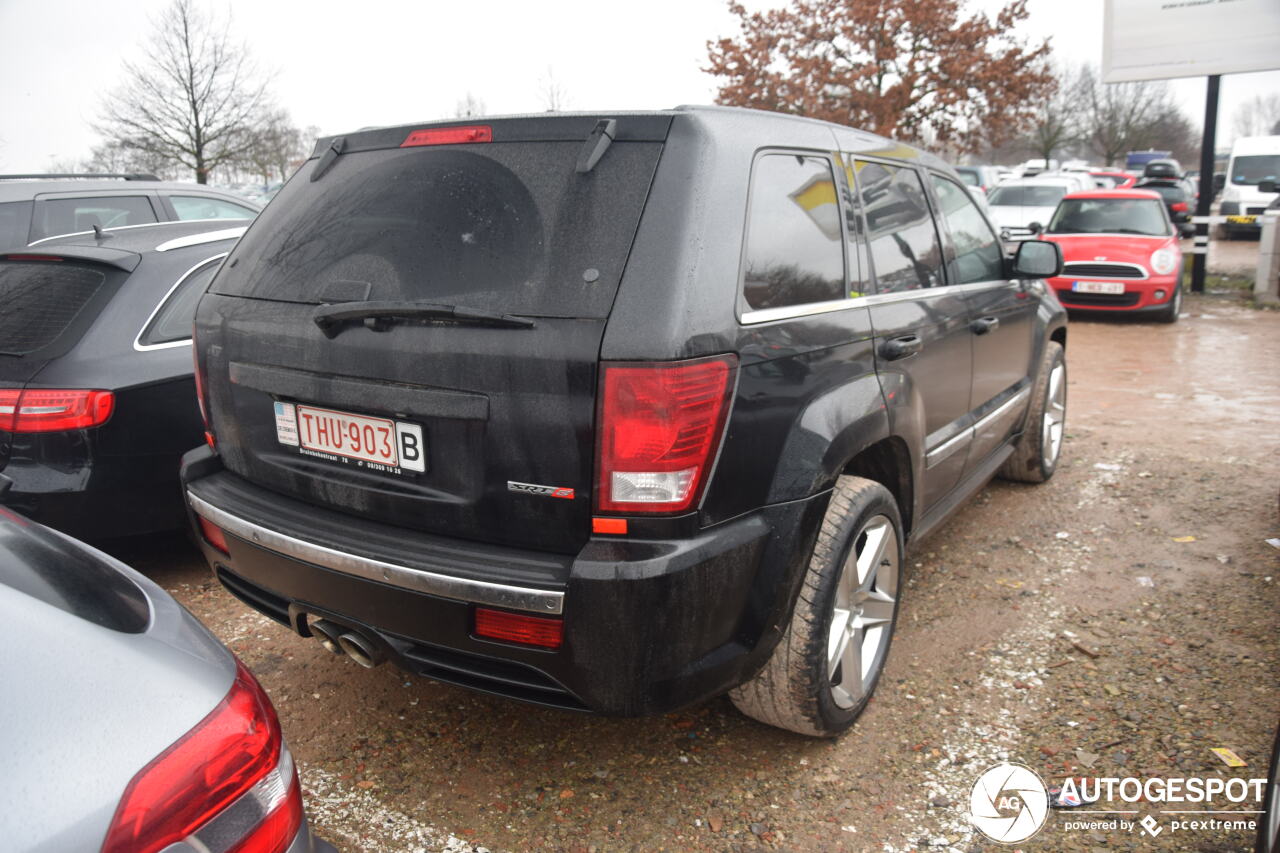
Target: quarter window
{"type": "Point", "coordinates": [172, 320]}
{"type": "Point", "coordinates": [905, 253]}
{"type": "Point", "coordinates": [203, 207]}
{"type": "Point", "coordinates": [978, 253]}
{"type": "Point", "coordinates": [794, 254]}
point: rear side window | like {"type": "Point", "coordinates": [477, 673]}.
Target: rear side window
{"type": "Point", "coordinates": [41, 300]}
{"type": "Point", "coordinates": [978, 253]}
{"type": "Point", "coordinates": [506, 227]}
{"type": "Point", "coordinates": [172, 320]}
{"type": "Point", "coordinates": [72, 215]}
{"type": "Point", "coordinates": [202, 207]}
{"type": "Point", "coordinates": [905, 253]}
{"type": "Point", "coordinates": [15, 223]}
{"type": "Point", "coordinates": [793, 254]}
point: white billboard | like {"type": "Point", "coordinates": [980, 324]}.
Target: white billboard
{"type": "Point", "coordinates": [1160, 39]}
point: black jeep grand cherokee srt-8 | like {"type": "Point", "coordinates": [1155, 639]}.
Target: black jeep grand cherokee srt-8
{"type": "Point", "coordinates": [616, 412]}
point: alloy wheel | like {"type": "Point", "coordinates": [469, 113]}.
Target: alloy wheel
{"type": "Point", "coordinates": [862, 621]}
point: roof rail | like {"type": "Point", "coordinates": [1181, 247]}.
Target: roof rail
{"type": "Point", "coordinates": [127, 176]}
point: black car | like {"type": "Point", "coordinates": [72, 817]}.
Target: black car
{"type": "Point", "coordinates": [37, 207]}
{"type": "Point", "coordinates": [615, 412]}
{"type": "Point", "coordinates": [97, 401]}
{"type": "Point", "coordinates": [1176, 200]}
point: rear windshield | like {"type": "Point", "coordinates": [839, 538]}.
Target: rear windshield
{"type": "Point", "coordinates": [41, 300]}
{"type": "Point", "coordinates": [1170, 193]}
{"type": "Point", "coordinates": [508, 227]}
{"type": "Point", "coordinates": [1110, 216]}
{"type": "Point", "coordinates": [1027, 196]}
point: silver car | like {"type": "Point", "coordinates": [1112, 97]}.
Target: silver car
{"type": "Point", "coordinates": [127, 725]}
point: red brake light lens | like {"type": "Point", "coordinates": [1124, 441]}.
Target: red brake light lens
{"type": "Point", "coordinates": [236, 749]}
{"type": "Point", "coordinates": [213, 534]}
{"type": "Point", "coordinates": [53, 409]}
{"type": "Point", "coordinates": [449, 136]}
{"type": "Point", "coordinates": [1180, 206]}
{"type": "Point", "coordinates": [543, 631]}
{"type": "Point", "coordinates": [660, 425]}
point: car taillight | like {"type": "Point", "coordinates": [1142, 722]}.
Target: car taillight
{"type": "Point", "coordinates": [1180, 206]}
{"type": "Point", "coordinates": [198, 372]}
{"type": "Point", "coordinates": [449, 136]}
{"type": "Point", "coordinates": [53, 409]}
{"type": "Point", "coordinates": [228, 784]}
{"type": "Point", "coordinates": [659, 428]}
{"type": "Point", "coordinates": [546, 632]}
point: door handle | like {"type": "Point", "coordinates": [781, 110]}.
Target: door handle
{"type": "Point", "coordinates": [984, 324]}
{"type": "Point", "coordinates": [897, 348]}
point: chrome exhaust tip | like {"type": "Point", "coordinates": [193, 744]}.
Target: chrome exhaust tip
{"type": "Point", "coordinates": [328, 634]}
{"type": "Point", "coordinates": [361, 650]}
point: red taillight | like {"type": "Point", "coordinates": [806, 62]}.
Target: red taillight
{"type": "Point", "coordinates": [1180, 206]}
{"type": "Point", "coordinates": [659, 427]}
{"type": "Point", "coordinates": [449, 136]}
{"type": "Point", "coordinates": [230, 773]}
{"type": "Point", "coordinates": [542, 631]}
{"type": "Point", "coordinates": [213, 534]}
{"type": "Point", "coordinates": [53, 409]}
{"type": "Point", "coordinates": [615, 526]}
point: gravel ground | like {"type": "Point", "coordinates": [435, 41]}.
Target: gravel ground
{"type": "Point", "coordinates": [1120, 620]}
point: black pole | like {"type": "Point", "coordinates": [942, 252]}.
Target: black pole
{"type": "Point", "coordinates": [1201, 249]}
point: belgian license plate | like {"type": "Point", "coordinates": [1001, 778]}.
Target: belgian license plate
{"type": "Point", "coordinates": [380, 444]}
{"type": "Point", "coordinates": [1115, 288]}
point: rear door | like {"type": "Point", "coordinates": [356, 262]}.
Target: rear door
{"type": "Point", "coordinates": [923, 346]}
{"type": "Point", "coordinates": [1001, 318]}
{"type": "Point", "coordinates": [411, 333]}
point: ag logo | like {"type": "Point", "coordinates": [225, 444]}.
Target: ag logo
{"type": "Point", "coordinates": [1009, 803]}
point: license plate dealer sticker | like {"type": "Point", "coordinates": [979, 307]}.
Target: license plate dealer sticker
{"type": "Point", "coordinates": [1115, 288]}
{"type": "Point", "coordinates": [380, 444]}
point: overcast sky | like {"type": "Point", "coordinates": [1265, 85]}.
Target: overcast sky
{"type": "Point", "coordinates": [341, 66]}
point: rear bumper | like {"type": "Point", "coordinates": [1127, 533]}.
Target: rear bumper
{"type": "Point", "coordinates": [649, 625]}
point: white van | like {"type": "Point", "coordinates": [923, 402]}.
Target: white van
{"type": "Point", "coordinates": [1253, 159]}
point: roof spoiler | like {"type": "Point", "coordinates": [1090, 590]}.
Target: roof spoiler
{"type": "Point", "coordinates": [125, 176]}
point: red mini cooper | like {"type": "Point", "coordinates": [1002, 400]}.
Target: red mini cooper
{"type": "Point", "coordinates": [1121, 253]}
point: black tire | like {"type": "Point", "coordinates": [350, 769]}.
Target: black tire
{"type": "Point", "coordinates": [798, 689]}
{"type": "Point", "coordinates": [1171, 311]}
{"type": "Point", "coordinates": [1036, 455]}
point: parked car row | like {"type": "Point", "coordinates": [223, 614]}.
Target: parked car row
{"type": "Point", "coordinates": [508, 406]}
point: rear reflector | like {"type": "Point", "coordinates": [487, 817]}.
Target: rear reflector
{"type": "Point", "coordinates": [616, 526]}
{"type": "Point", "coordinates": [53, 409]}
{"type": "Point", "coordinates": [228, 784]}
{"type": "Point", "coordinates": [542, 631]}
{"type": "Point", "coordinates": [660, 427]}
{"type": "Point", "coordinates": [213, 534]}
{"type": "Point", "coordinates": [449, 136]}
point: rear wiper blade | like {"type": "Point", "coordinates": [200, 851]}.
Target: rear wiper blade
{"type": "Point", "coordinates": [379, 316]}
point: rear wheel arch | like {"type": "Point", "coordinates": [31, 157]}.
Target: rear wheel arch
{"type": "Point", "coordinates": [888, 462]}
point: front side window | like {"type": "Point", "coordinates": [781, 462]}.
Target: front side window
{"type": "Point", "coordinates": [172, 320]}
{"type": "Point", "coordinates": [905, 253]}
{"type": "Point", "coordinates": [978, 253]}
{"type": "Point", "coordinates": [793, 253]}
{"type": "Point", "coordinates": [202, 207]}
{"type": "Point", "coordinates": [74, 215]}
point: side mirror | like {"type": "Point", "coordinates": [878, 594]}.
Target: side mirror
{"type": "Point", "coordinates": [1219, 181]}
{"type": "Point", "coordinates": [1035, 227]}
{"type": "Point", "coordinates": [1267, 186]}
{"type": "Point", "coordinates": [1037, 259]}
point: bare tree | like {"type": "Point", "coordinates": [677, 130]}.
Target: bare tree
{"type": "Point", "coordinates": [1059, 114]}
{"type": "Point", "coordinates": [194, 101]}
{"type": "Point", "coordinates": [1122, 117]}
{"type": "Point", "coordinates": [1259, 116]}
{"type": "Point", "coordinates": [114, 156]}
{"type": "Point", "coordinates": [277, 144]}
{"type": "Point", "coordinates": [469, 107]}
{"type": "Point", "coordinates": [554, 96]}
